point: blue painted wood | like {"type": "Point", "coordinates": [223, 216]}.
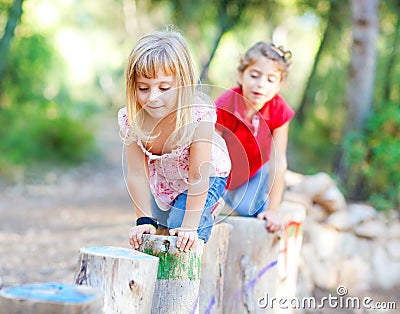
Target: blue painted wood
{"type": "Point", "coordinates": [52, 292]}
{"type": "Point", "coordinates": [113, 251]}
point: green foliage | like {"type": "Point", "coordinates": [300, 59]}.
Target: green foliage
{"type": "Point", "coordinates": [38, 122]}
{"type": "Point", "coordinates": [374, 156]}
{"type": "Point", "coordinates": [40, 135]}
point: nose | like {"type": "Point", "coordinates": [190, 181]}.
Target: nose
{"type": "Point", "coordinates": [262, 81]}
{"type": "Point", "coordinates": [154, 94]}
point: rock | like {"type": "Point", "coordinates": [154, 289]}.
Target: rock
{"type": "Point", "coordinates": [324, 274]}
{"type": "Point", "coordinates": [371, 229]}
{"type": "Point", "coordinates": [324, 239]}
{"type": "Point", "coordinates": [393, 248]}
{"type": "Point", "coordinates": [340, 220]}
{"type": "Point", "coordinates": [355, 274]}
{"type": "Point", "coordinates": [355, 214]}
{"type": "Point", "coordinates": [361, 212]}
{"type": "Point", "coordinates": [293, 178]}
{"type": "Point", "coordinates": [332, 199]}
{"type": "Point", "coordinates": [393, 231]}
{"type": "Point", "coordinates": [314, 184]}
{"type": "Point", "coordinates": [385, 271]}
{"type": "Point", "coordinates": [317, 213]}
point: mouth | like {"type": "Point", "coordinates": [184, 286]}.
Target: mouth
{"type": "Point", "coordinates": [256, 94]}
{"type": "Point", "coordinates": [153, 107]}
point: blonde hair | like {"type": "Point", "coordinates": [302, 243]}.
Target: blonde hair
{"type": "Point", "coordinates": [168, 52]}
{"type": "Point", "coordinates": [262, 49]}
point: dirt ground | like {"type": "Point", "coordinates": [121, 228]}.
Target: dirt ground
{"type": "Point", "coordinates": [44, 223]}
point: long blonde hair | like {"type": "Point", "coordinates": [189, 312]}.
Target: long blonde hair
{"type": "Point", "coordinates": [165, 51]}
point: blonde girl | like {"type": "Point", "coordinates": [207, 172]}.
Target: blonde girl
{"type": "Point", "coordinates": [177, 165]}
{"type": "Point", "coordinates": [254, 120]}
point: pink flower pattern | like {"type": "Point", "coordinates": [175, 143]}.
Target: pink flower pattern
{"type": "Point", "coordinates": [169, 172]}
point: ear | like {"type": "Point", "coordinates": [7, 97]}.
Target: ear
{"type": "Point", "coordinates": [240, 78]}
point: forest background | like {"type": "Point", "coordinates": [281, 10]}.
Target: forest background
{"type": "Point", "coordinates": [62, 66]}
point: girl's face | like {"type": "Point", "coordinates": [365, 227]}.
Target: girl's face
{"type": "Point", "coordinates": [157, 96]}
{"type": "Point", "coordinates": [261, 81]}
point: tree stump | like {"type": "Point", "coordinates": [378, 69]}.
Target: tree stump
{"type": "Point", "coordinates": [213, 269]}
{"type": "Point", "coordinates": [178, 277]}
{"type": "Point", "coordinates": [289, 254]}
{"type": "Point", "coordinates": [51, 298]}
{"type": "Point", "coordinates": [126, 277]}
{"type": "Point", "coordinates": [250, 272]}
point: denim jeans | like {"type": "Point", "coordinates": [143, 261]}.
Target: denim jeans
{"type": "Point", "coordinates": [251, 198]}
{"type": "Point", "coordinates": [173, 217]}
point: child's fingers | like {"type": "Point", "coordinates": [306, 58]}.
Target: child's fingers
{"type": "Point", "coordinates": [192, 239]}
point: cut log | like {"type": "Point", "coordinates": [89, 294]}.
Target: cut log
{"type": "Point", "coordinates": [126, 277]}
{"type": "Point", "coordinates": [289, 254]}
{"type": "Point", "coordinates": [250, 272]}
{"type": "Point", "coordinates": [213, 269]}
{"type": "Point", "coordinates": [51, 298]}
{"type": "Point", "coordinates": [178, 277]}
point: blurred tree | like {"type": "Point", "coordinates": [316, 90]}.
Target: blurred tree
{"type": "Point", "coordinates": [14, 15]}
{"type": "Point", "coordinates": [360, 86]}
{"type": "Point", "coordinates": [335, 22]}
{"type": "Point", "coordinates": [220, 15]}
{"type": "Point", "coordinates": [394, 52]}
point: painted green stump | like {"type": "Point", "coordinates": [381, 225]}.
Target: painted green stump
{"type": "Point", "coordinates": [178, 277]}
{"type": "Point", "coordinates": [50, 298]}
{"type": "Point", "coordinates": [126, 277]}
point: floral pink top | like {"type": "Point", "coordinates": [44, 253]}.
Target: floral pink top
{"type": "Point", "coordinates": [169, 172]}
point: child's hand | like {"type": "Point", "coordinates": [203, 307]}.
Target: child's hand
{"type": "Point", "coordinates": [273, 220]}
{"type": "Point", "coordinates": [135, 234]}
{"type": "Point", "coordinates": [187, 238]}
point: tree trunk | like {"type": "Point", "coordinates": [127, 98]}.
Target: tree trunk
{"type": "Point", "coordinates": [204, 71]}
{"type": "Point", "coordinates": [213, 269]}
{"type": "Point", "coordinates": [51, 298]}
{"type": "Point", "coordinates": [178, 277]}
{"type": "Point", "coordinates": [360, 87]}
{"type": "Point", "coordinates": [392, 61]}
{"type": "Point", "coordinates": [290, 244]}
{"type": "Point", "coordinates": [308, 94]}
{"type": "Point", "coordinates": [250, 271]}
{"type": "Point", "coordinates": [126, 277]}
{"type": "Point", "coordinates": [13, 18]}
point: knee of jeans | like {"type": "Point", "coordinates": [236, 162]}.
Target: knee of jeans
{"type": "Point", "coordinates": [205, 233]}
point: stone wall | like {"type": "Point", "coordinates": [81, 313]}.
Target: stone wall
{"type": "Point", "coordinates": [352, 245]}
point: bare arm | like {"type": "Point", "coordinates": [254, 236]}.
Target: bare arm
{"type": "Point", "coordinates": [198, 184]}
{"type": "Point", "coordinates": [276, 182]}
{"type": "Point", "coordinates": [139, 190]}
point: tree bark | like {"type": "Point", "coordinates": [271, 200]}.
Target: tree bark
{"type": "Point", "coordinates": [360, 88]}
{"type": "Point", "coordinates": [213, 269]}
{"type": "Point", "coordinates": [392, 61]}
{"type": "Point", "coordinates": [51, 298]}
{"type": "Point", "coordinates": [126, 277]}
{"type": "Point", "coordinates": [178, 277]}
{"type": "Point", "coordinates": [250, 271]}
{"type": "Point", "coordinates": [14, 16]}
{"type": "Point", "coordinates": [308, 94]}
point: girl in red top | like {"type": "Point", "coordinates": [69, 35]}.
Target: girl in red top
{"type": "Point", "coordinates": [254, 121]}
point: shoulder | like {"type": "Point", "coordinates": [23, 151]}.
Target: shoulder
{"type": "Point", "coordinates": [277, 111]}
{"type": "Point", "coordinates": [226, 99]}
{"type": "Point", "coordinates": [205, 112]}
{"type": "Point", "coordinates": [123, 122]}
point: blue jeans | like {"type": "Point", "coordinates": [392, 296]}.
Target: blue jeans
{"type": "Point", "coordinates": [251, 198]}
{"type": "Point", "coordinates": [173, 217]}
